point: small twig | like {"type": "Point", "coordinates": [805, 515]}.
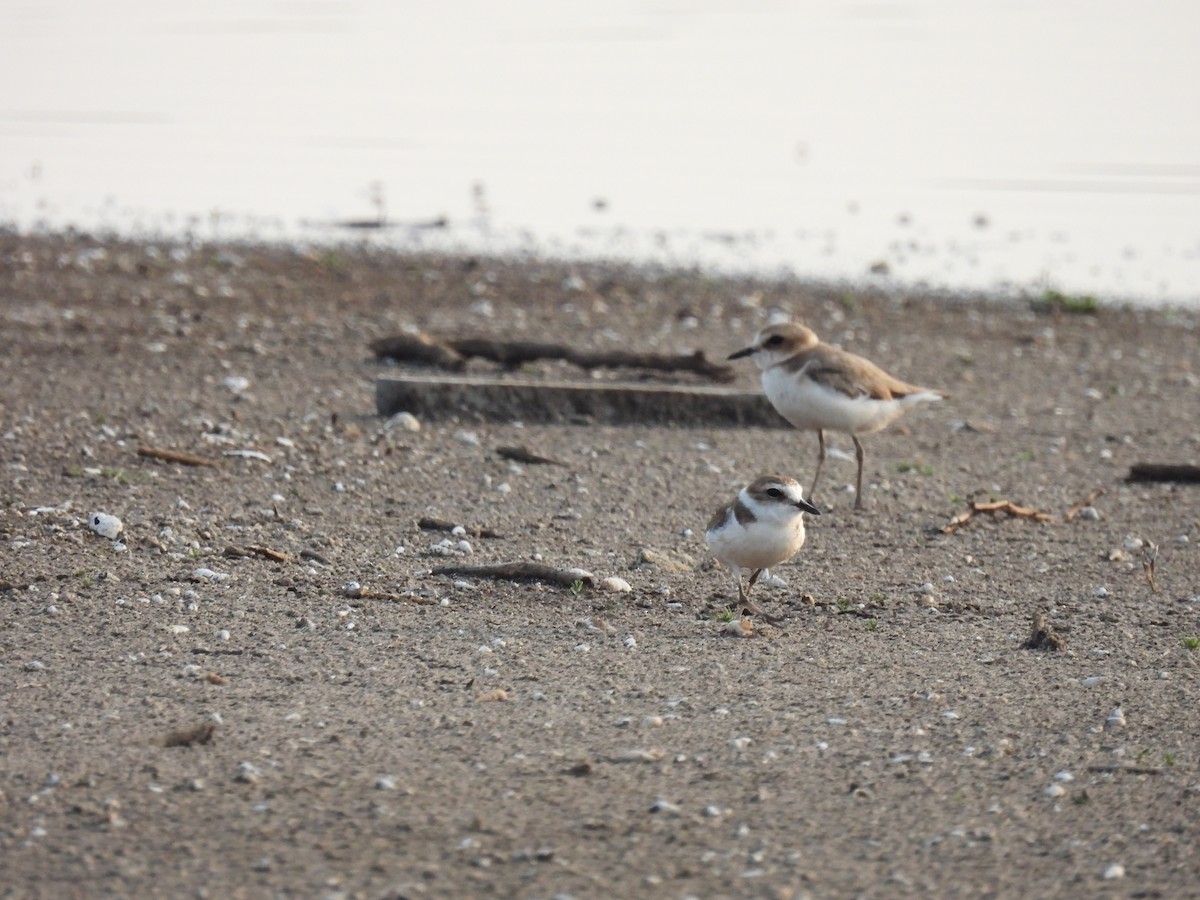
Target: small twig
{"type": "Point", "coordinates": [1149, 557]}
{"type": "Point", "coordinates": [184, 459]}
{"type": "Point", "coordinates": [521, 571]}
{"type": "Point", "coordinates": [429, 523]}
{"type": "Point", "coordinates": [252, 550]}
{"type": "Point", "coordinates": [1005, 506]}
{"type": "Point", "coordinates": [1128, 770]}
{"type": "Point", "coordinates": [523, 454]}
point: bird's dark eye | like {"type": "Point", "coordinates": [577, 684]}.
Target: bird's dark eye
{"type": "Point", "coordinates": [774, 492]}
{"type": "Point", "coordinates": [773, 341]}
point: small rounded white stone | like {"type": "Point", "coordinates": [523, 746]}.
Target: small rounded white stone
{"type": "Point", "coordinates": [105, 525]}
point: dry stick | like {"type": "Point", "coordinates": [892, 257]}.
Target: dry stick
{"type": "Point", "coordinates": [429, 523]}
{"type": "Point", "coordinates": [184, 459]}
{"type": "Point", "coordinates": [252, 550]}
{"type": "Point", "coordinates": [1149, 557]}
{"type": "Point", "coordinates": [1163, 472]}
{"type": "Point", "coordinates": [523, 454]}
{"type": "Point", "coordinates": [521, 571]}
{"type": "Point", "coordinates": [424, 349]}
{"type": "Point", "coordinates": [1007, 506]}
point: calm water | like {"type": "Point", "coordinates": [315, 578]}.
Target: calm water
{"type": "Point", "coordinates": [1003, 145]}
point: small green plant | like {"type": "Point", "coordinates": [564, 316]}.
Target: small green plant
{"type": "Point", "coordinates": [1025, 456]}
{"type": "Point", "coordinates": [1191, 643]}
{"type": "Point", "coordinates": [872, 624]}
{"type": "Point", "coordinates": [577, 586]}
{"type": "Point", "coordinates": [843, 604]}
{"type": "Point", "coordinates": [957, 499]}
{"type": "Point", "coordinates": [1054, 301]}
{"type": "Point", "coordinates": [1169, 758]}
{"type": "Point", "coordinates": [919, 468]}
{"type": "Point", "coordinates": [877, 597]}
{"type": "Point", "coordinates": [1142, 754]}
{"type": "Point", "coordinates": [725, 614]}
{"type": "Point", "coordinates": [1081, 799]}
{"type": "Point", "coordinates": [849, 301]}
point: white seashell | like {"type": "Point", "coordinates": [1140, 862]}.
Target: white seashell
{"type": "Point", "coordinates": [1064, 776]}
{"type": "Point", "coordinates": [235, 384]}
{"type": "Point", "coordinates": [1113, 872]}
{"type": "Point", "coordinates": [405, 421]}
{"type": "Point", "coordinates": [385, 783]}
{"type": "Point", "coordinates": [630, 641]}
{"type": "Point", "coordinates": [458, 531]}
{"type": "Point", "coordinates": [467, 438]}
{"type": "Point", "coordinates": [464, 547]}
{"type": "Point", "coordinates": [178, 629]}
{"type": "Point", "coordinates": [1133, 543]}
{"type": "Point", "coordinates": [1089, 514]}
{"type": "Point", "coordinates": [740, 743]}
{"type": "Point", "coordinates": [614, 585]}
{"type": "Point", "coordinates": [209, 574]}
{"type": "Point", "coordinates": [1100, 592]}
{"type": "Point", "coordinates": [105, 525]}
{"type": "Point", "coordinates": [1055, 790]}
{"type": "Point", "coordinates": [248, 454]}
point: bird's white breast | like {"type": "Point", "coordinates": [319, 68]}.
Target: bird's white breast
{"type": "Point", "coordinates": [757, 545]}
{"type": "Point", "coordinates": [810, 405]}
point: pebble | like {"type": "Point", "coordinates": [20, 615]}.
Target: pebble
{"type": "Point", "coordinates": [664, 806]}
{"type": "Point", "coordinates": [630, 641]}
{"type": "Point", "coordinates": [467, 438]}
{"type": "Point", "coordinates": [1093, 680]}
{"type": "Point", "coordinates": [1055, 790]}
{"type": "Point", "coordinates": [235, 384]}
{"type": "Point", "coordinates": [105, 525]}
{"type": "Point", "coordinates": [34, 665]}
{"type": "Point", "coordinates": [1115, 720]}
{"type": "Point", "coordinates": [248, 773]}
{"type": "Point", "coordinates": [1089, 514]}
{"type": "Point", "coordinates": [1113, 872]}
{"type": "Point", "coordinates": [209, 574]}
{"type": "Point", "coordinates": [739, 628]}
{"type": "Point", "coordinates": [385, 783]}
{"type": "Point", "coordinates": [615, 585]}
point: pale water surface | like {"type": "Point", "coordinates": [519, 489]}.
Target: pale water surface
{"type": "Point", "coordinates": [1005, 146]}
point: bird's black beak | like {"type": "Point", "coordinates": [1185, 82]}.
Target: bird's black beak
{"type": "Point", "coordinates": [808, 507]}
{"type": "Point", "coordinates": [741, 354]}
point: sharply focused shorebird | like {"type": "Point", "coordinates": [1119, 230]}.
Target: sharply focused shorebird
{"type": "Point", "coordinates": [761, 528]}
{"type": "Point", "coordinates": [819, 387]}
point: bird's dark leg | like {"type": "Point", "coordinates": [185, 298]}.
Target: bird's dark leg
{"type": "Point", "coordinates": [812, 491]}
{"type": "Point", "coordinates": [752, 608]}
{"type": "Point", "coordinates": [858, 454]}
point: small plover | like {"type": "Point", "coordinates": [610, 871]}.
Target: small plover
{"type": "Point", "coordinates": [816, 387]}
{"type": "Point", "coordinates": [761, 528]}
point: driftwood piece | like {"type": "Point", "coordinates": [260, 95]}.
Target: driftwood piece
{"type": "Point", "coordinates": [523, 454]}
{"type": "Point", "coordinates": [429, 523]}
{"type": "Point", "coordinates": [558, 402]}
{"type": "Point", "coordinates": [253, 550]}
{"type": "Point", "coordinates": [184, 459]}
{"type": "Point", "coordinates": [521, 571]}
{"type": "Point", "coordinates": [452, 354]}
{"type": "Point", "coordinates": [1004, 506]}
{"type": "Point", "coordinates": [1042, 636]}
{"type": "Point", "coordinates": [1164, 472]}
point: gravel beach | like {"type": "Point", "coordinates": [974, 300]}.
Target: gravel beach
{"type": "Point", "coordinates": [259, 689]}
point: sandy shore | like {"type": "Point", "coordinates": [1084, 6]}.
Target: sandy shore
{"type": "Point", "coordinates": [185, 714]}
